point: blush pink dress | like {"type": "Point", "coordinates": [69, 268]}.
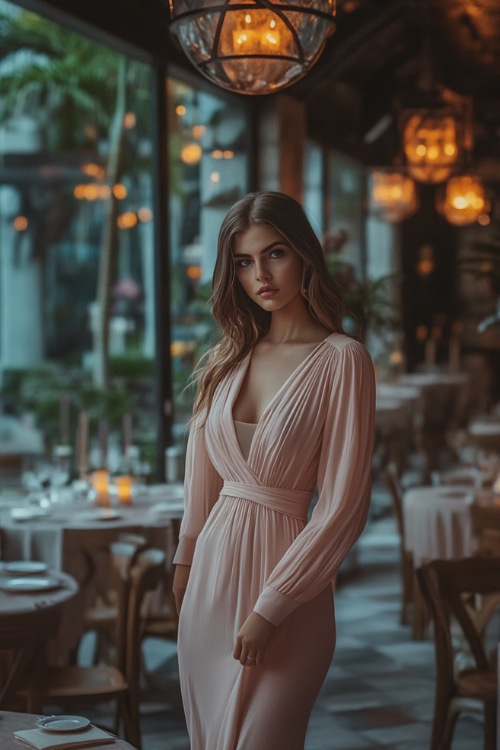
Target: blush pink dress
{"type": "Point", "coordinates": [246, 535]}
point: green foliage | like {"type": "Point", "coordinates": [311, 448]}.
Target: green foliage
{"type": "Point", "coordinates": [63, 77]}
{"type": "Point", "coordinates": [368, 301]}
{"type": "Point", "coordinates": [39, 391]}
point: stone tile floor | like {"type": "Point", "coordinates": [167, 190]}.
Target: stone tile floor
{"type": "Point", "coordinates": [379, 692]}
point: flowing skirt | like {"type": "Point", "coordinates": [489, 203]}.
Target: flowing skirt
{"type": "Point", "coordinates": [228, 706]}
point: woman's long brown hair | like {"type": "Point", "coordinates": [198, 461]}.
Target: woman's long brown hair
{"type": "Point", "coordinates": [241, 321]}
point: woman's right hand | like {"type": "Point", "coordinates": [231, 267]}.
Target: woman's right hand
{"type": "Point", "coordinates": [181, 577]}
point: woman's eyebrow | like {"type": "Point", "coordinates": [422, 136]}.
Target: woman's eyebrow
{"type": "Point", "coordinates": [261, 252]}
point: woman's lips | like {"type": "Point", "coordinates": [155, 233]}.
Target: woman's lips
{"type": "Point", "coordinates": [267, 292]}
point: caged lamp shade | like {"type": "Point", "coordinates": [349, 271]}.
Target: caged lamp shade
{"type": "Point", "coordinates": [252, 46]}
{"type": "Point", "coordinates": [393, 195]}
{"type": "Point", "coordinates": [431, 143]}
{"type": "Point", "coordinates": [464, 200]}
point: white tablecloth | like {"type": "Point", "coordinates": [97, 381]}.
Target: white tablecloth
{"type": "Point", "coordinates": [75, 538]}
{"type": "Point", "coordinates": [437, 523]}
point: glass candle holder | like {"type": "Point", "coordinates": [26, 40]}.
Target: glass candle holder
{"type": "Point", "coordinates": [124, 486]}
{"type": "Point", "coordinates": [100, 482]}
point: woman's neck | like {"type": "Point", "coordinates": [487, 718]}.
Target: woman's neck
{"type": "Point", "coordinates": [298, 327]}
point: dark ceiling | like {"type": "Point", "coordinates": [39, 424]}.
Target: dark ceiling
{"type": "Point", "coordinates": [384, 54]}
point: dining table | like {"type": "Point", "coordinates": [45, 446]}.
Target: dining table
{"type": "Point", "coordinates": [11, 721]}
{"type": "Point", "coordinates": [34, 604]}
{"type": "Point", "coordinates": [438, 525]}
{"type": "Point", "coordinates": [74, 537]}
{"type": "Point", "coordinates": [437, 522]}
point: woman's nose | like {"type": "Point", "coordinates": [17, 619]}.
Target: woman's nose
{"type": "Point", "coordinates": [261, 271]}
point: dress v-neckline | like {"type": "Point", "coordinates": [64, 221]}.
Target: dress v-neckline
{"type": "Point", "coordinates": [243, 367]}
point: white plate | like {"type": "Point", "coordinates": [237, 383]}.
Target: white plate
{"type": "Point", "coordinates": [24, 568]}
{"type": "Point", "coordinates": [29, 585]}
{"type": "Point", "coordinates": [63, 723]}
{"type": "Point", "coordinates": [104, 514]}
{"type": "Point", "coordinates": [27, 514]}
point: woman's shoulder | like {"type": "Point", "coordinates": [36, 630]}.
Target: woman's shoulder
{"type": "Point", "coordinates": [342, 342]}
{"type": "Point", "coordinates": [347, 352]}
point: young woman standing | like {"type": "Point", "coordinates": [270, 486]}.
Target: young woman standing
{"type": "Point", "coordinates": [285, 406]}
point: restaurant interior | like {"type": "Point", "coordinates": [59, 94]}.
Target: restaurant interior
{"type": "Point", "coordinates": [127, 130]}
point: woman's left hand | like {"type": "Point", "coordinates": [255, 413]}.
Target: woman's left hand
{"type": "Point", "coordinates": [253, 640]}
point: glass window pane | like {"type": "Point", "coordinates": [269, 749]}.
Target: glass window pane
{"type": "Point", "coordinates": [209, 172]}
{"type": "Point", "coordinates": [313, 186]}
{"type": "Point", "coordinates": [77, 327]}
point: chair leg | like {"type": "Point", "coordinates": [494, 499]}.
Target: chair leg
{"type": "Point", "coordinates": [420, 614]}
{"type": "Point", "coordinates": [490, 727]}
{"type": "Point", "coordinates": [445, 718]}
{"type": "Point", "coordinates": [130, 718]}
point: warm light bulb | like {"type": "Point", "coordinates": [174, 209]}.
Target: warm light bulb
{"type": "Point", "coordinates": [191, 153]}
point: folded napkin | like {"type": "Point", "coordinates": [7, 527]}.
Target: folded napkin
{"type": "Point", "coordinates": [42, 740]}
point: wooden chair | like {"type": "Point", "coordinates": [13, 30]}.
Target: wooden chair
{"type": "Point", "coordinates": [406, 558]}
{"type": "Point", "coordinates": [78, 684]}
{"type": "Point", "coordinates": [486, 529]}
{"type": "Point", "coordinates": [163, 622]}
{"type": "Point", "coordinates": [102, 616]}
{"type": "Point", "coordinates": [458, 593]}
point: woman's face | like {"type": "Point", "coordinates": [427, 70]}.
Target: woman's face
{"type": "Point", "coordinates": [267, 267]}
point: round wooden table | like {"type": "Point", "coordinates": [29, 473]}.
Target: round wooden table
{"type": "Point", "coordinates": [28, 621]}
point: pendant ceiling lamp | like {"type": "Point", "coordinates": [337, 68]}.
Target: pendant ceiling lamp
{"type": "Point", "coordinates": [393, 195]}
{"type": "Point", "coordinates": [252, 46]}
{"type": "Point", "coordinates": [432, 140]}
{"type": "Point", "coordinates": [464, 200]}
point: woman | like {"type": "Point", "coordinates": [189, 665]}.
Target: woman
{"type": "Point", "coordinates": [285, 405]}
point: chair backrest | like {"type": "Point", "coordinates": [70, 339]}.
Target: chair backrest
{"type": "Point", "coordinates": [123, 555]}
{"type": "Point", "coordinates": [463, 591]}
{"type": "Point", "coordinates": [486, 529]}
{"type": "Point", "coordinates": [145, 575]}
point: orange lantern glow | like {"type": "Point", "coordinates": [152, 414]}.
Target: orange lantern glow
{"type": "Point", "coordinates": [253, 47]}
{"type": "Point", "coordinates": [393, 195]}
{"type": "Point", "coordinates": [464, 200]}
{"type": "Point", "coordinates": [431, 143]}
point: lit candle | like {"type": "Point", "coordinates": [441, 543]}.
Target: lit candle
{"type": "Point", "coordinates": [124, 489]}
{"type": "Point", "coordinates": [100, 482]}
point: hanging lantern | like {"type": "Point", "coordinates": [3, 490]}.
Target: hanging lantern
{"type": "Point", "coordinates": [464, 200]}
{"type": "Point", "coordinates": [431, 142]}
{"type": "Point", "coordinates": [393, 195]}
{"type": "Point", "coordinates": [255, 46]}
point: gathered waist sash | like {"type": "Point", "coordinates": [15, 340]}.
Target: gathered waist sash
{"type": "Point", "coordinates": [291, 502]}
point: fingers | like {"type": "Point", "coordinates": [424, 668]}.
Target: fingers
{"type": "Point", "coordinates": [245, 656]}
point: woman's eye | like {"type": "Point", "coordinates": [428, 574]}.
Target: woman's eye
{"type": "Point", "coordinates": [276, 253]}
{"type": "Point", "coordinates": [243, 263]}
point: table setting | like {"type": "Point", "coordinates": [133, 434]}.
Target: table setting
{"type": "Point", "coordinates": [73, 537]}
{"type": "Point", "coordinates": [54, 733]}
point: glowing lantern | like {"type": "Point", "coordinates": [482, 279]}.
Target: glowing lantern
{"type": "Point", "coordinates": [393, 195]}
{"type": "Point", "coordinates": [431, 141]}
{"type": "Point", "coordinates": [254, 47]}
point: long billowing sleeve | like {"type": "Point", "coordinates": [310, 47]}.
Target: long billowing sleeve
{"type": "Point", "coordinates": [202, 486]}
{"type": "Point", "coordinates": [344, 484]}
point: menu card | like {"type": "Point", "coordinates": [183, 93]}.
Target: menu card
{"type": "Point", "coordinates": [42, 740]}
